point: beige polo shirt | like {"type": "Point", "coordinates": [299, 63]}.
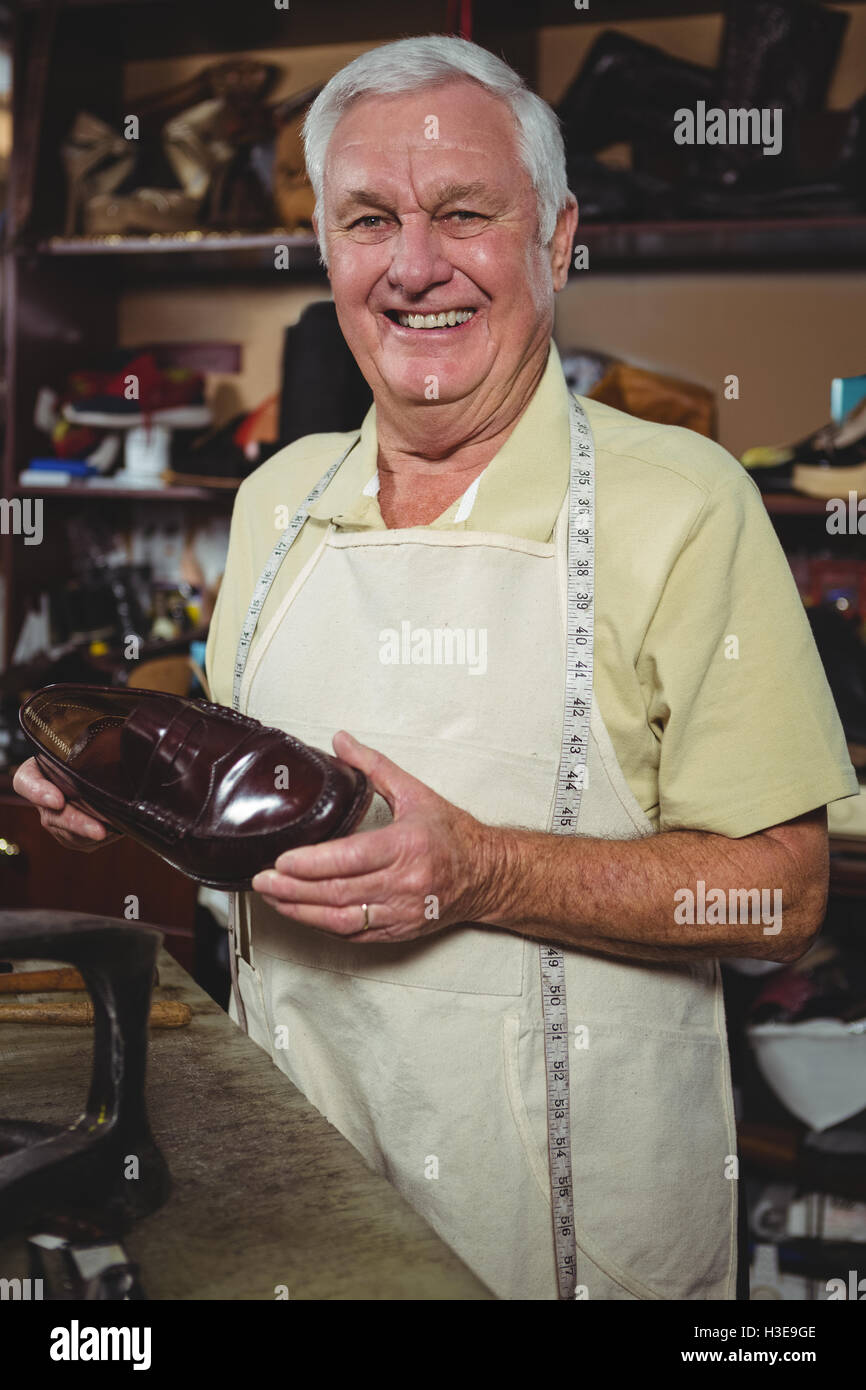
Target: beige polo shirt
{"type": "Point", "coordinates": [706, 673]}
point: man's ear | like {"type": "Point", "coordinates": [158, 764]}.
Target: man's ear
{"type": "Point", "coordinates": [562, 242]}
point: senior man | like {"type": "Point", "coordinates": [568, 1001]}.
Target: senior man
{"type": "Point", "coordinates": [394, 974]}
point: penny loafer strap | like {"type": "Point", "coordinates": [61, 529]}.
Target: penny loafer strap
{"type": "Point", "coordinates": [176, 746]}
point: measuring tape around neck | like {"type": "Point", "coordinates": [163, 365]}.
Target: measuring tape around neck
{"type": "Point", "coordinates": [570, 783]}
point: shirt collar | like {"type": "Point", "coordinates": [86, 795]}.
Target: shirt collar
{"type": "Point", "coordinates": [520, 492]}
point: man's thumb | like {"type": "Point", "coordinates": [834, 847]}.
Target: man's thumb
{"type": "Point", "coordinates": [389, 780]}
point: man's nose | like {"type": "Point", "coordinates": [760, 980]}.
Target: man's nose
{"type": "Point", "coordinates": [417, 261]}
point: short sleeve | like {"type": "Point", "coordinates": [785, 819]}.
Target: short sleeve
{"type": "Point", "coordinates": [749, 733]}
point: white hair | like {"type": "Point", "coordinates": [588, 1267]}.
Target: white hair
{"type": "Point", "coordinates": [409, 64]}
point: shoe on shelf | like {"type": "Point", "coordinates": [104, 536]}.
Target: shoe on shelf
{"type": "Point", "coordinates": [145, 211]}
{"type": "Point", "coordinates": [170, 396]}
{"type": "Point", "coordinates": [820, 481]}
{"type": "Point", "coordinates": [848, 475]}
{"type": "Point", "coordinates": [830, 460]}
{"type": "Point", "coordinates": [223, 457]}
{"type": "Point", "coordinates": [97, 160]}
{"type": "Point", "coordinates": [777, 56]}
{"type": "Point", "coordinates": [192, 781]}
{"type": "Point", "coordinates": [626, 89]}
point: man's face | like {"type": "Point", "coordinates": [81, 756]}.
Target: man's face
{"type": "Point", "coordinates": [419, 225]}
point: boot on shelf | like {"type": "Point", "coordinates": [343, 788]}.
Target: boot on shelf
{"type": "Point", "coordinates": [777, 56]}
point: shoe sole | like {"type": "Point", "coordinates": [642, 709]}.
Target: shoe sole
{"type": "Point", "coordinates": [826, 483]}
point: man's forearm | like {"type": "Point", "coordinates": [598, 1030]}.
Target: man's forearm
{"type": "Point", "coordinates": [635, 898]}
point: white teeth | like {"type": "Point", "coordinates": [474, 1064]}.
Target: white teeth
{"type": "Point", "coordinates": [444, 320]}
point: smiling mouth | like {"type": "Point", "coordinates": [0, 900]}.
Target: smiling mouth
{"type": "Point", "coordinates": [452, 318]}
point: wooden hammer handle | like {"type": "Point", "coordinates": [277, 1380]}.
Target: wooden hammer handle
{"type": "Point", "coordinates": [35, 981]}
{"type": "Point", "coordinates": [165, 1013]}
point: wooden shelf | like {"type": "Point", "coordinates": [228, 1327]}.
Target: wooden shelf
{"type": "Point", "coordinates": [840, 242]}
{"type": "Point", "coordinates": [793, 504]}
{"type": "Point", "coordinates": [140, 494]}
{"type": "Point", "coordinates": [132, 30]}
{"type": "Point", "coordinates": [176, 242]}
{"type": "Point", "coordinates": [183, 255]}
{"type": "Point", "coordinates": [680, 245]}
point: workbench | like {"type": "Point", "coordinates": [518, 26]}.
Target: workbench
{"type": "Point", "coordinates": [265, 1192]}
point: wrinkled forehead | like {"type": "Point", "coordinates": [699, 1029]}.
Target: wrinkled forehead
{"type": "Point", "coordinates": [454, 132]}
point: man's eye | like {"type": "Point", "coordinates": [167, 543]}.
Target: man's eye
{"type": "Point", "coordinates": [370, 219]}
{"type": "Point", "coordinates": [464, 215]}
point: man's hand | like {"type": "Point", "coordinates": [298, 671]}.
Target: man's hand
{"type": "Point", "coordinates": [437, 866]}
{"type": "Point", "coordinates": [423, 872]}
{"type": "Point", "coordinates": [70, 827]}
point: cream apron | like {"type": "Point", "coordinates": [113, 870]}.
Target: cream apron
{"type": "Point", "coordinates": [429, 1056]}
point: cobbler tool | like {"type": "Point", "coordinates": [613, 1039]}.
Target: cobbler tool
{"type": "Point", "coordinates": [81, 1171]}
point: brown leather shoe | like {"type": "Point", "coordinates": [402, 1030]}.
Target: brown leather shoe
{"type": "Point", "coordinates": [216, 794]}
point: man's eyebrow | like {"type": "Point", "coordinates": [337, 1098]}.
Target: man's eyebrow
{"type": "Point", "coordinates": [366, 197]}
{"type": "Point", "coordinates": [445, 193]}
{"type": "Point", "coordinates": [458, 192]}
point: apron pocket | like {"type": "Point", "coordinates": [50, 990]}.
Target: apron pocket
{"type": "Point", "coordinates": [461, 960]}
{"type": "Point", "coordinates": [636, 1237]}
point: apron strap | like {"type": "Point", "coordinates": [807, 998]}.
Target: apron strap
{"type": "Point", "coordinates": [260, 593]}
{"type": "Point", "coordinates": [275, 559]}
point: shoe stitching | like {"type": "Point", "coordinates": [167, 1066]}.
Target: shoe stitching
{"type": "Point", "coordinates": [31, 714]}
{"type": "Point", "coordinates": [49, 732]}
